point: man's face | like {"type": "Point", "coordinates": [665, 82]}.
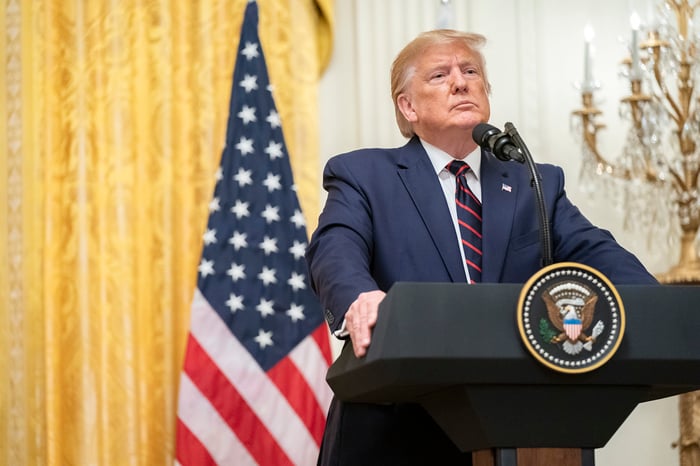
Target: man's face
{"type": "Point", "coordinates": [447, 93]}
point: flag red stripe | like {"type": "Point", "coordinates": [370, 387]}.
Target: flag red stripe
{"type": "Point", "coordinates": [190, 451]}
{"type": "Point", "coordinates": [205, 374]}
{"type": "Point", "coordinates": [310, 361]}
{"type": "Point", "coordinates": [323, 342]}
{"type": "Point", "coordinates": [300, 396]}
{"type": "Point", "coordinates": [252, 383]}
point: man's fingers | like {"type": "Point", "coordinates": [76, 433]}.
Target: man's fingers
{"type": "Point", "coordinates": [358, 349]}
{"type": "Point", "coordinates": [361, 317]}
{"type": "Point", "coordinates": [360, 337]}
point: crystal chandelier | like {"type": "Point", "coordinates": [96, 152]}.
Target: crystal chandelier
{"type": "Point", "coordinates": [655, 177]}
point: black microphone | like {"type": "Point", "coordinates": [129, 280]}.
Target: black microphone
{"type": "Point", "coordinates": [497, 142]}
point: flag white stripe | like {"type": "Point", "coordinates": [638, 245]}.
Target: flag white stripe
{"type": "Point", "coordinates": [253, 384]}
{"type": "Point", "coordinates": [205, 422]}
{"type": "Point", "coordinates": [309, 360]}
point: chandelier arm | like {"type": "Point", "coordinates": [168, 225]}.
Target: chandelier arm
{"type": "Point", "coordinates": [675, 112]}
{"type": "Point", "coordinates": [651, 175]}
{"type": "Point", "coordinates": [589, 138]}
{"type": "Point", "coordinates": [676, 180]}
{"type": "Point", "coordinates": [695, 178]}
{"type": "Point", "coordinates": [589, 129]}
{"type": "Point", "coordinates": [679, 182]}
{"type": "Point", "coordinates": [688, 180]}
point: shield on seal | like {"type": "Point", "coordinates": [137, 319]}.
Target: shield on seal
{"type": "Point", "coordinates": [572, 325]}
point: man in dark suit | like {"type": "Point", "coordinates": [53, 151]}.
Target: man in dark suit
{"type": "Point", "coordinates": [391, 216]}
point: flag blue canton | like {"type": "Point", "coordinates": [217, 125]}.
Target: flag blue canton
{"type": "Point", "coordinates": [252, 269]}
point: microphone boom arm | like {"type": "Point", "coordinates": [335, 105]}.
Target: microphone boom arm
{"type": "Point", "coordinates": [545, 231]}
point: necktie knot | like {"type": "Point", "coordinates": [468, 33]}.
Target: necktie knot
{"type": "Point", "coordinates": [457, 167]}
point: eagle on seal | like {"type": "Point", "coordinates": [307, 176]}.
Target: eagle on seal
{"type": "Point", "coordinates": [572, 315]}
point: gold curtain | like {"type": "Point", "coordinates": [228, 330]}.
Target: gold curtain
{"type": "Point", "coordinates": [114, 122]}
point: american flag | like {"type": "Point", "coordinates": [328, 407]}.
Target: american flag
{"type": "Point", "coordinates": [253, 387]}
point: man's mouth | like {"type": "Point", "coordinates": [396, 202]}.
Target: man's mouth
{"type": "Point", "coordinates": [464, 104]}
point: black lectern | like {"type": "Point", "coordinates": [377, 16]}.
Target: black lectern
{"type": "Point", "coordinates": [456, 350]}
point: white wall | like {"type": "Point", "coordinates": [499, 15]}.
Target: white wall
{"type": "Point", "coordinates": [534, 54]}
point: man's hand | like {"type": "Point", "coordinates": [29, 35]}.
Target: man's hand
{"type": "Point", "coordinates": [361, 317]}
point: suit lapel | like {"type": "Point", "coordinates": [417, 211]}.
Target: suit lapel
{"type": "Point", "coordinates": [499, 192]}
{"type": "Point", "coordinates": [418, 175]}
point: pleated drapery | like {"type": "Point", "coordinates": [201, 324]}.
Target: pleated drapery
{"type": "Point", "coordinates": [114, 122]}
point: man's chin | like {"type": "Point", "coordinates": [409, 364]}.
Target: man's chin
{"type": "Point", "coordinates": [470, 123]}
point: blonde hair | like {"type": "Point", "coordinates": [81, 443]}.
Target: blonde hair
{"type": "Point", "coordinates": [403, 67]}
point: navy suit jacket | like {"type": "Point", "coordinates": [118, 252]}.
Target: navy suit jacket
{"type": "Point", "coordinates": [386, 220]}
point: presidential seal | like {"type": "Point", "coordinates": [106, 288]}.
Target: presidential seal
{"type": "Point", "coordinates": [570, 317]}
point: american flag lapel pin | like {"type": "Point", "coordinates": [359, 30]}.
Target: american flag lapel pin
{"type": "Point", "coordinates": [506, 187]}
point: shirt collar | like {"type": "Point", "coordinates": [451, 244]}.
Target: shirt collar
{"type": "Point", "coordinates": [439, 158]}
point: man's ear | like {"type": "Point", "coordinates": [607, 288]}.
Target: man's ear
{"type": "Point", "coordinates": [406, 108]}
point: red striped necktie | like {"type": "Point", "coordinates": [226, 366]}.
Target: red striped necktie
{"type": "Point", "coordinates": [469, 218]}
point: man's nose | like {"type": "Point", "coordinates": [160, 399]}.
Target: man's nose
{"type": "Point", "coordinates": [459, 81]}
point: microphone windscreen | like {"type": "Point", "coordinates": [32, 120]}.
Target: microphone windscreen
{"type": "Point", "coordinates": [482, 132]}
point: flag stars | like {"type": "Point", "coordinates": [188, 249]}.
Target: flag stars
{"type": "Point", "coordinates": [219, 175]}
{"type": "Point", "coordinates": [234, 303]}
{"type": "Point", "coordinates": [240, 208]}
{"type": "Point", "coordinates": [264, 339]}
{"type": "Point", "coordinates": [296, 312]}
{"type": "Point", "coordinates": [214, 205]}
{"type": "Point", "coordinates": [206, 267]}
{"type": "Point", "coordinates": [269, 245]}
{"type": "Point", "coordinates": [270, 214]}
{"type": "Point", "coordinates": [298, 219]}
{"type": "Point", "coordinates": [267, 276]}
{"type": "Point", "coordinates": [209, 237]}
{"type": "Point", "coordinates": [243, 177]}
{"type": "Point", "coordinates": [296, 281]}
{"type": "Point", "coordinates": [298, 249]}
{"type": "Point", "coordinates": [272, 182]}
{"type": "Point", "coordinates": [238, 240]}
{"type": "Point", "coordinates": [245, 146]}
{"type": "Point", "coordinates": [236, 272]}
{"type": "Point", "coordinates": [265, 307]}
{"type": "Point", "coordinates": [247, 114]}
{"type": "Point", "coordinates": [249, 83]}
{"type": "Point", "coordinates": [250, 51]}
{"type": "Point", "coordinates": [274, 119]}
{"type": "Point", "coordinates": [274, 150]}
